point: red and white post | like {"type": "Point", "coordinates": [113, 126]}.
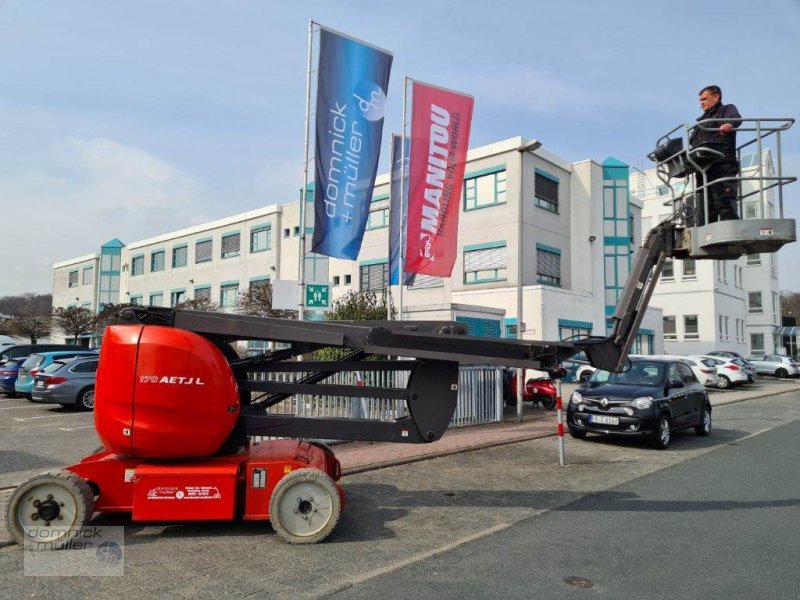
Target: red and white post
{"type": "Point", "coordinates": [561, 458]}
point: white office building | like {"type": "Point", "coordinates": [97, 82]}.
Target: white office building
{"type": "Point", "coordinates": [712, 304]}
{"type": "Point", "coordinates": [579, 228]}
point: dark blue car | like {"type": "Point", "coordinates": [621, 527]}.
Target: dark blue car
{"type": "Point", "coordinates": [8, 376]}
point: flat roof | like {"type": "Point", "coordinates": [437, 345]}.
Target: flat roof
{"type": "Point", "coordinates": [79, 259]}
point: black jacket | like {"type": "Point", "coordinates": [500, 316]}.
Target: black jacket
{"type": "Point", "coordinates": [718, 111]}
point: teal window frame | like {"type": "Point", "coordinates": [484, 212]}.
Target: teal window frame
{"type": "Point", "coordinates": [153, 255]}
{"type": "Point", "coordinates": [230, 253]}
{"type": "Point", "coordinates": [545, 203]}
{"type": "Point", "coordinates": [151, 295]}
{"type": "Point", "coordinates": [70, 283]}
{"type": "Point", "coordinates": [478, 277]}
{"type": "Point", "coordinates": [545, 279]}
{"type": "Point", "coordinates": [137, 260]}
{"type": "Point", "coordinates": [254, 232]}
{"type": "Point", "coordinates": [177, 296]}
{"type": "Point", "coordinates": [89, 269]}
{"type": "Point", "coordinates": [137, 300]}
{"type": "Point", "coordinates": [378, 223]}
{"type": "Point", "coordinates": [205, 240]}
{"type": "Point", "coordinates": [368, 265]}
{"type": "Point", "coordinates": [470, 196]}
{"type": "Point", "coordinates": [200, 288]}
{"type": "Point", "coordinates": [259, 280]}
{"type": "Point", "coordinates": [228, 286]}
{"type": "Point", "coordinates": [175, 249]}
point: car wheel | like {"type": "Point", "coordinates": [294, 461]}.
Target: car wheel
{"type": "Point", "coordinates": [724, 383]}
{"type": "Point", "coordinates": [663, 434]}
{"type": "Point", "coordinates": [578, 434]}
{"type": "Point", "coordinates": [11, 394]}
{"type": "Point", "coordinates": [781, 373]}
{"type": "Point", "coordinates": [548, 402]}
{"type": "Point", "coordinates": [86, 399]}
{"type": "Point", "coordinates": [704, 427]}
{"type": "Point", "coordinates": [584, 376]}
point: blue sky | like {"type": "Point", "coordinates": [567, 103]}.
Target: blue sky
{"type": "Point", "coordinates": [130, 119]}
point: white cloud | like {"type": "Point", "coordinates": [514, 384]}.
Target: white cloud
{"type": "Point", "coordinates": [82, 193]}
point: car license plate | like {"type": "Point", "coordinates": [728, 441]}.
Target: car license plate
{"type": "Point", "coordinates": [603, 420]}
{"type": "Point", "coordinates": [40, 384]}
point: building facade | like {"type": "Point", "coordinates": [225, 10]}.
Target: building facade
{"type": "Point", "coordinates": [562, 234]}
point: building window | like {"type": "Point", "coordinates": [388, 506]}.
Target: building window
{"type": "Point", "coordinates": [229, 294]}
{"type": "Point", "coordinates": [230, 245]}
{"type": "Point", "coordinates": [348, 279]}
{"type": "Point", "coordinates": [751, 210]}
{"type": "Point", "coordinates": [157, 261]}
{"type": "Point", "coordinates": [426, 281]}
{"type": "Point", "coordinates": [691, 329]}
{"type": "Point", "coordinates": [136, 300]}
{"type": "Point", "coordinates": [260, 239]}
{"type": "Point", "coordinates": [546, 191]}
{"type": "Point", "coordinates": [177, 297]}
{"type": "Point", "coordinates": [179, 255]}
{"type": "Point", "coordinates": [776, 308]}
{"type": "Point", "coordinates": [259, 281]}
{"type": "Point", "coordinates": [485, 264]}
{"type": "Point", "coordinates": [73, 279]}
{"type": "Point", "coordinates": [689, 268]}
{"type": "Point", "coordinates": [336, 280]}
{"type": "Point", "coordinates": [753, 259]}
{"type": "Point", "coordinates": [88, 276]}
{"type": "Point", "coordinates": [202, 251]}
{"type": "Point", "coordinates": [721, 337]}
{"type": "Point", "coordinates": [548, 266]}
{"type": "Point", "coordinates": [484, 190]}
{"type": "Point", "coordinates": [668, 270]}
{"type": "Point", "coordinates": [756, 342]}
{"type": "Point", "coordinates": [374, 278]}
{"type": "Point", "coordinates": [754, 305]}
{"type": "Point", "coordinates": [296, 230]}
{"type": "Point", "coordinates": [156, 299]}
{"type": "Point", "coordinates": [670, 331]}
{"type": "Point", "coordinates": [202, 293]}
{"type": "Point", "coordinates": [137, 265]}
{"type": "Point", "coordinates": [287, 232]}
{"type": "Point", "coordinates": [378, 219]}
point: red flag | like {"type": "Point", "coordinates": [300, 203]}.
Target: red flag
{"type": "Point", "coordinates": [440, 122]}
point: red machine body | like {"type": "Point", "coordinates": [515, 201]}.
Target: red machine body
{"type": "Point", "coordinates": [163, 393]}
{"type": "Point", "coordinates": [207, 489]}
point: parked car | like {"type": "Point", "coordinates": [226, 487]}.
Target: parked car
{"type": "Point", "coordinates": [730, 374]}
{"type": "Point", "coordinates": [6, 341]}
{"type": "Point", "coordinates": [8, 376]}
{"type": "Point", "coordinates": [724, 354]}
{"type": "Point", "coordinates": [748, 367]}
{"type": "Point", "coordinates": [776, 364]}
{"type": "Point", "coordinates": [704, 369]}
{"type": "Point", "coordinates": [67, 382]}
{"type": "Point", "coordinates": [36, 362]}
{"type": "Point", "coordinates": [651, 399]}
{"type": "Point", "coordinates": [25, 350]}
{"type": "Point", "coordinates": [539, 389]}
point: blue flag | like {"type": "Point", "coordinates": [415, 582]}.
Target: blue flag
{"type": "Point", "coordinates": [396, 217]}
{"type": "Point", "coordinates": [353, 79]}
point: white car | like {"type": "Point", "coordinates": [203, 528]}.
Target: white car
{"type": "Point", "coordinates": [704, 369]}
{"type": "Point", "coordinates": [730, 374]}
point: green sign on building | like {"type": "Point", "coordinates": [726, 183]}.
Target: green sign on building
{"type": "Point", "coordinates": [318, 295]}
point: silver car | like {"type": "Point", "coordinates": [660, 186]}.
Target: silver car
{"type": "Point", "coordinates": [775, 364]}
{"type": "Point", "coordinates": [68, 383]}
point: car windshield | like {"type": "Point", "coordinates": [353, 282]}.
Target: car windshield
{"type": "Point", "coordinates": [53, 367]}
{"type": "Point", "coordinates": [708, 362]}
{"type": "Point", "coordinates": [640, 373]}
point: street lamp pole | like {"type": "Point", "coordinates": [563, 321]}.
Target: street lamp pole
{"type": "Point", "coordinates": [529, 146]}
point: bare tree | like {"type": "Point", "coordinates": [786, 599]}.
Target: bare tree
{"type": "Point", "coordinates": [108, 316]}
{"type": "Point", "coordinates": [790, 304]}
{"type": "Point", "coordinates": [74, 321]}
{"type": "Point", "coordinates": [205, 304]}
{"type": "Point", "coordinates": [31, 326]}
{"type": "Point", "coordinates": [27, 304]}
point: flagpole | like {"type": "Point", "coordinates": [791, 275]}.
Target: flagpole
{"type": "Point", "coordinates": [392, 208]}
{"type": "Point", "coordinates": [402, 274]}
{"type": "Point", "coordinates": [301, 261]}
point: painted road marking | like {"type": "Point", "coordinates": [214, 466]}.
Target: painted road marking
{"type": "Point", "coordinates": [23, 419]}
{"type": "Point", "coordinates": [18, 407]}
{"type": "Point", "coordinates": [75, 428]}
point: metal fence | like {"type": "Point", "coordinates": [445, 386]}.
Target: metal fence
{"type": "Point", "coordinates": [480, 396]}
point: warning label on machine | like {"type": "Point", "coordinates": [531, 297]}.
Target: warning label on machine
{"type": "Point", "coordinates": [189, 492]}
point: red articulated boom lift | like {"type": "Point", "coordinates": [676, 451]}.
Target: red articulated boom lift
{"type": "Point", "coordinates": [175, 404]}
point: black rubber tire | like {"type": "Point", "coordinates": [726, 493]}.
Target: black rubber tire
{"type": "Point", "coordinates": [584, 376]}
{"type": "Point", "coordinates": [662, 441]}
{"type": "Point", "coordinates": [11, 394]}
{"type": "Point", "coordinates": [781, 373]}
{"type": "Point", "coordinates": [548, 402]}
{"type": "Point", "coordinates": [724, 383]}
{"type": "Point", "coordinates": [704, 428]}
{"type": "Point", "coordinates": [85, 399]}
{"type": "Point", "coordinates": [329, 506]}
{"type": "Point", "coordinates": [578, 434]}
{"type": "Point", "coordinates": [73, 485]}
